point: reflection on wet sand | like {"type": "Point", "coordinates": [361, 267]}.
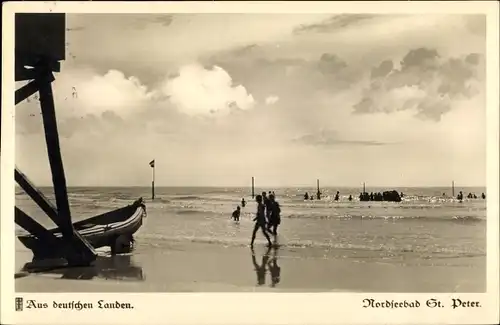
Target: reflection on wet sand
{"type": "Point", "coordinates": [118, 267]}
{"type": "Point", "coordinates": [271, 264]}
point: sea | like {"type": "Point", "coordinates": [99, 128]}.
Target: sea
{"type": "Point", "coordinates": [425, 226]}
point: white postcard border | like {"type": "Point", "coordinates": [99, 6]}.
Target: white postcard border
{"type": "Point", "coordinates": [249, 308]}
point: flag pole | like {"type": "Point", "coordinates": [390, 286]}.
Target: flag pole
{"type": "Point", "coordinates": [153, 182]}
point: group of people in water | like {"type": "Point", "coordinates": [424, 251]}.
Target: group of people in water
{"type": "Point", "coordinates": [267, 217]}
{"type": "Point", "coordinates": [362, 196]}
{"type": "Point", "coordinates": [460, 196]}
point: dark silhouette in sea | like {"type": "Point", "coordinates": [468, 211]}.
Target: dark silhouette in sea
{"type": "Point", "coordinates": [243, 202]}
{"type": "Point", "coordinates": [337, 196]}
{"type": "Point", "coordinates": [236, 214]}
{"type": "Point", "coordinates": [460, 196]}
{"type": "Point", "coordinates": [350, 198]}
{"type": "Point", "coordinates": [260, 221]}
{"type": "Point", "coordinates": [260, 270]}
{"type": "Point", "coordinates": [306, 196]}
{"type": "Point", "coordinates": [388, 196]}
{"type": "Point", "coordinates": [483, 196]}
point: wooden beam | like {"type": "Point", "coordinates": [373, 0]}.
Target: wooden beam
{"type": "Point", "coordinates": [41, 200]}
{"type": "Point", "coordinates": [34, 228]}
{"type": "Point", "coordinates": [25, 91]}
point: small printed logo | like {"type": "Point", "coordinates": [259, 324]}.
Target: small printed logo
{"type": "Point", "coordinates": [19, 304]}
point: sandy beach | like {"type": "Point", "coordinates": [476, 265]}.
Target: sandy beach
{"type": "Point", "coordinates": [207, 268]}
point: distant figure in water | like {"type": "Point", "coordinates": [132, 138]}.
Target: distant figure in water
{"type": "Point", "coordinates": [274, 219]}
{"type": "Point", "coordinates": [243, 202]}
{"type": "Point", "coordinates": [337, 196]}
{"type": "Point", "coordinates": [236, 214]}
{"type": "Point", "coordinates": [371, 196]}
{"type": "Point", "coordinates": [483, 196]}
{"type": "Point", "coordinates": [318, 195]}
{"type": "Point", "coordinates": [402, 194]}
{"type": "Point", "coordinates": [260, 221]}
{"type": "Point", "coordinates": [350, 197]}
{"type": "Point", "coordinates": [311, 198]}
{"type": "Point", "coordinates": [460, 196]}
{"type": "Point", "coordinates": [260, 270]}
{"type": "Point", "coordinates": [444, 194]}
{"type": "Point", "coordinates": [306, 196]}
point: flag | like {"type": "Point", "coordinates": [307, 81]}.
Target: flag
{"type": "Point", "coordinates": [152, 163]}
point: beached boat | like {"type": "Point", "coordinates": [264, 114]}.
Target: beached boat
{"type": "Point", "coordinates": [114, 229]}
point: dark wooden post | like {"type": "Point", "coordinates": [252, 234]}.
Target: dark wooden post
{"type": "Point", "coordinates": [86, 253]}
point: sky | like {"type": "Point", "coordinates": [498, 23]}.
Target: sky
{"type": "Point", "coordinates": [390, 100]}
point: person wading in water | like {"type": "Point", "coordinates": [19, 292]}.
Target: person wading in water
{"type": "Point", "coordinates": [236, 214]}
{"type": "Point", "coordinates": [274, 219]}
{"type": "Point", "coordinates": [260, 221]}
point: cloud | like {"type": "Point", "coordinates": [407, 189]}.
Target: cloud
{"type": "Point", "coordinates": [424, 82]}
{"type": "Point", "coordinates": [334, 23]}
{"type": "Point", "coordinates": [331, 63]}
{"type": "Point", "coordinates": [329, 138]}
{"type": "Point", "coordinates": [272, 100]}
{"type": "Point", "coordinates": [200, 91]}
{"type": "Point", "coordinates": [143, 100]}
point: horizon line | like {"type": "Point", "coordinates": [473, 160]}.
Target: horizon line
{"type": "Point", "coordinates": [266, 186]}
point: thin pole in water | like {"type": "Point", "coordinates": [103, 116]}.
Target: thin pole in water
{"type": "Point", "coordinates": [453, 188]}
{"type": "Point", "coordinates": [253, 187]}
{"type": "Point", "coordinates": [318, 194]}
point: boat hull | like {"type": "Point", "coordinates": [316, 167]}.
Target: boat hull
{"type": "Point", "coordinates": [100, 231]}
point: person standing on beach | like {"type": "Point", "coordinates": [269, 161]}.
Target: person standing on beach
{"type": "Point", "coordinates": [243, 202]}
{"type": "Point", "coordinates": [260, 221]}
{"type": "Point", "coordinates": [274, 218]}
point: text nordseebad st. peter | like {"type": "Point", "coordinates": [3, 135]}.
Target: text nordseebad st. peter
{"type": "Point", "coordinates": [430, 303]}
{"type": "Point", "coordinates": [78, 305]}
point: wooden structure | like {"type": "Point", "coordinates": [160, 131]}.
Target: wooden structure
{"type": "Point", "coordinates": [39, 48]}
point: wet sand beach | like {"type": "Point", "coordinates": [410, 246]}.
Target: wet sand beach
{"type": "Point", "coordinates": [208, 268]}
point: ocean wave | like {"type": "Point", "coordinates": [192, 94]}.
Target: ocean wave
{"type": "Point", "coordinates": [384, 217]}
{"type": "Point", "coordinates": [387, 251]}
